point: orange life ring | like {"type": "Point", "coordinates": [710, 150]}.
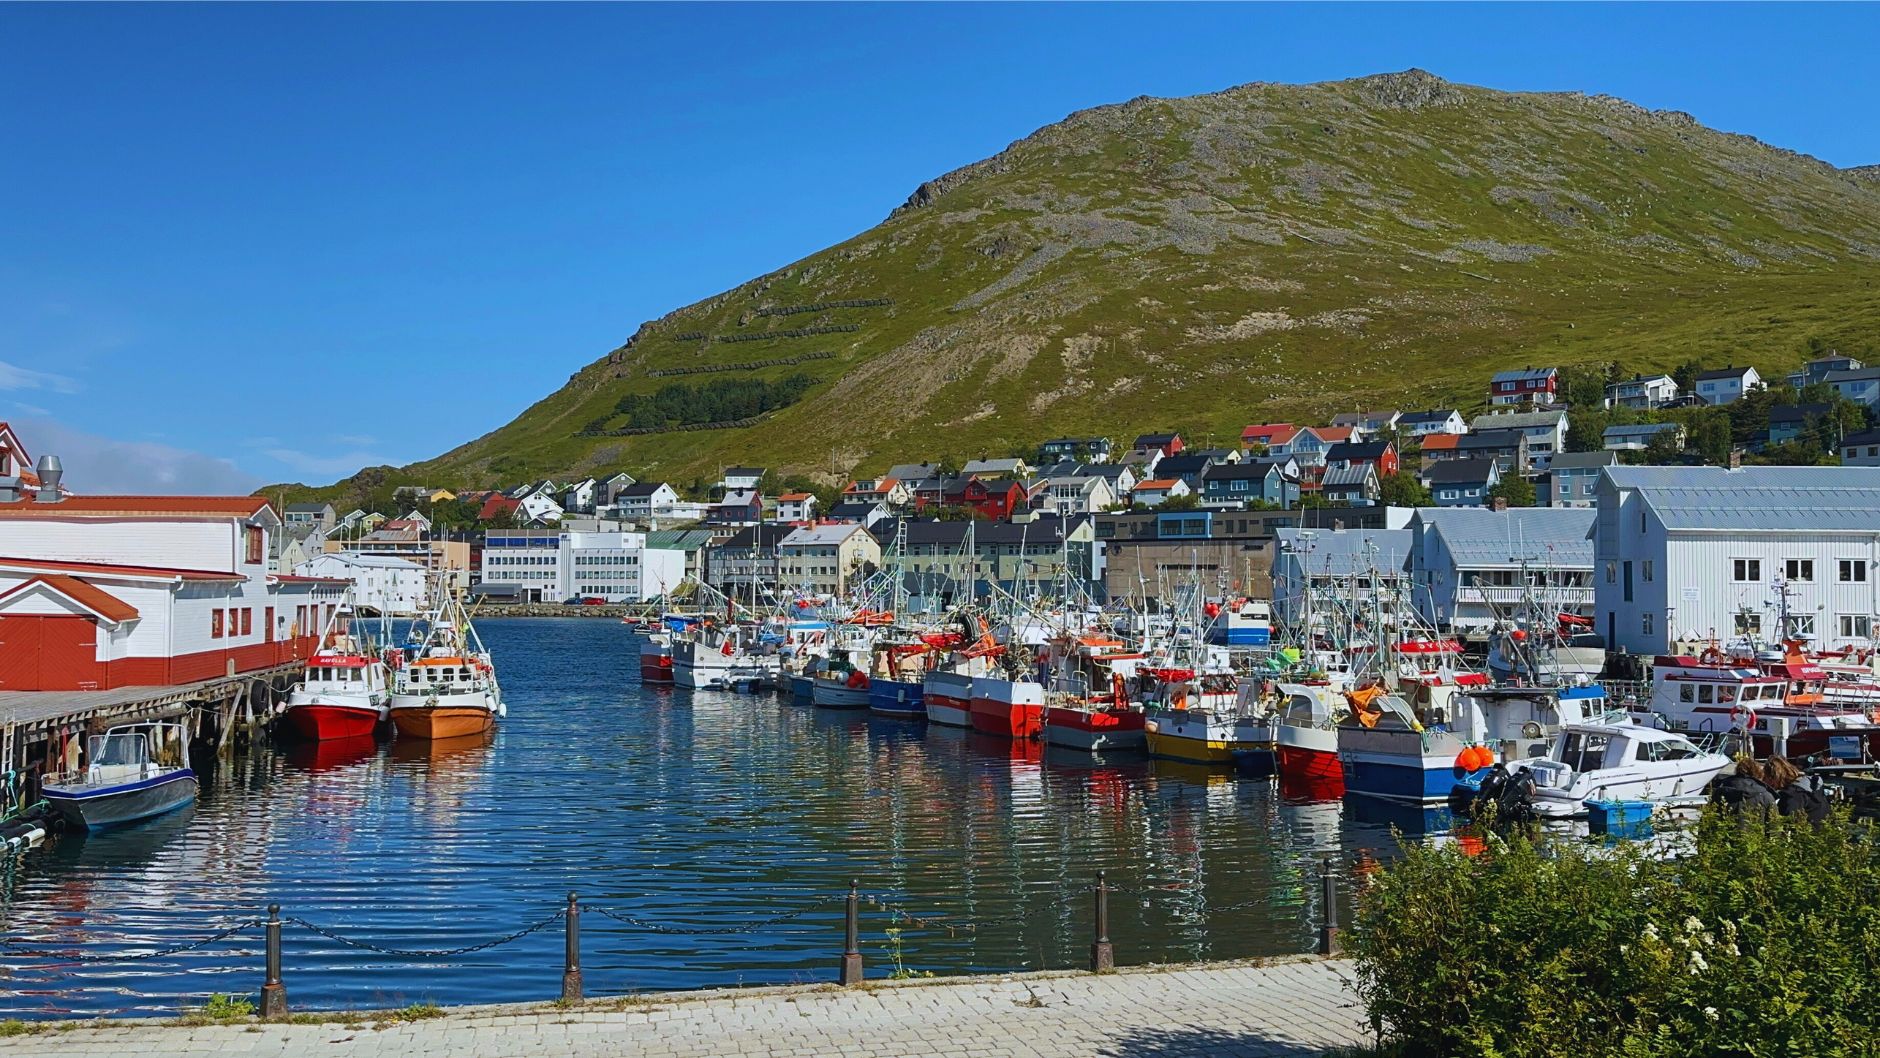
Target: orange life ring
{"type": "Point", "coordinates": [1741, 713]}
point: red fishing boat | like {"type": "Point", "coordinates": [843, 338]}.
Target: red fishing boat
{"type": "Point", "coordinates": [1010, 708]}
{"type": "Point", "coordinates": [344, 691]}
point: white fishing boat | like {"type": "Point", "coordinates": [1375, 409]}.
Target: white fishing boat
{"type": "Point", "coordinates": [132, 772]}
{"type": "Point", "coordinates": [344, 692]}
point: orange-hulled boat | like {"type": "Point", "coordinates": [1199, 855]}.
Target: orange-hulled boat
{"type": "Point", "coordinates": [448, 689]}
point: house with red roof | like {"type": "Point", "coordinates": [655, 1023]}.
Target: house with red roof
{"type": "Point", "coordinates": [1157, 490]}
{"type": "Point", "coordinates": [796, 507]}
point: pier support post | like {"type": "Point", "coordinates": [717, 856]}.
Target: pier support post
{"type": "Point", "coordinates": [571, 954]}
{"type": "Point", "coordinates": [273, 992]}
{"type": "Point", "coordinates": [1102, 953]}
{"type": "Point", "coordinates": [851, 937]}
{"type": "Point", "coordinates": [1328, 888]}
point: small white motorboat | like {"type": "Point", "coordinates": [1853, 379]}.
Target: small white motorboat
{"type": "Point", "coordinates": [1618, 762]}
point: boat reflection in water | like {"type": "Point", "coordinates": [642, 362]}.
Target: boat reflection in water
{"type": "Point", "coordinates": [133, 847]}
{"type": "Point", "coordinates": [329, 754]}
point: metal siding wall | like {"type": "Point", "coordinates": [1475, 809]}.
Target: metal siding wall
{"type": "Point", "coordinates": [19, 653]}
{"type": "Point", "coordinates": [68, 655]}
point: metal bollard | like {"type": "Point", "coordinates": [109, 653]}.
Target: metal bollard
{"type": "Point", "coordinates": [1102, 953]}
{"type": "Point", "coordinates": [1328, 887]}
{"type": "Point", "coordinates": [273, 992]}
{"type": "Point", "coordinates": [852, 941]}
{"type": "Point", "coordinates": [571, 955]}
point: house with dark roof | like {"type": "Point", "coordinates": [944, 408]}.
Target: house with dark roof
{"type": "Point", "coordinates": [1169, 443]}
{"type": "Point", "coordinates": [741, 479]}
{"type": "Point", "coordinates": [1726, 385]}
{"type": "Point", "coordinates": [1232, 486]}
{"type": "Point", "coordinates": [866, 512]}
{"type": "Point", "coordinates": [1438, 420]}
{"type": "Point", "coordinates": [1351, 485]}
{"type": "Point", "coordinates": [1639, 436]}
{"type": "Point", "coordinates": [1087, 449]}
{"type": "Point", "coordinates": [1189, 466]}
{"type": "Point", "coordinates": [1818, 369]}
{"type": "Point", "coordinates": [1348, 454]}
{"type": "Point", "coordinates": [1788, 421]}
{"type": "Point", "coordinates": [1642, 392]}
{"type": "Point", "coordinates": [1507, 447]}
{"type": "Point", "coordinates": [1858, 384]}
{"type": "Point", "coordinates": [1573, 479]}
{"type": "Point", "coordinates": [1527, 385]}
{"type": "Point", "coordinates": [1462, 482]}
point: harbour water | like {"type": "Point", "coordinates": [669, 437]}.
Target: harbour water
{"type": "Point", "coordinates": [679, 810]}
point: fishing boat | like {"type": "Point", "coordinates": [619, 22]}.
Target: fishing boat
{"type": "Point", "coordinates": [344, 692]}
{"type": "Point", "coordinates": [1305, 738]}
{"type": "Point", "coordinates": [656, 656]}
{"type": "Point", "coordinates": [1087, 706]}
{"type": "Point", "coordinates": [947, 688]}
{"type": "Point", "coordinates": [447, 688]}
{"type": "Point", "coordinates": [1411, 751]}
{"type": "Point", "coordinates": [841, 681]}
{"type": "Point", "coordinates": [1618, 762]}
{"type": "Point", "coordinates": [897, 676]}
{"type": "Point", "coordinates": [1781, 706]}
{"type": "Point", "coordinates": [1008, 707]}
{"type": "Point", "coordinates": [132, 772]}
{"type": "Point", "coordinates": [1191, 716]}
{"type": "Point", "coordinates": [1240, 623]}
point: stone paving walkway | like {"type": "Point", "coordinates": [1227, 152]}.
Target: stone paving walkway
{"type": "Point", "coordinates": [1232, 1010]}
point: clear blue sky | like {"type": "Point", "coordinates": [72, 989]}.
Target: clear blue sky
{"type": "Point", "coordinates": [245, 244]}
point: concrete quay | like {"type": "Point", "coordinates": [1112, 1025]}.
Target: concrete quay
{"type": "Point", "coordinates": [1268, 1009]}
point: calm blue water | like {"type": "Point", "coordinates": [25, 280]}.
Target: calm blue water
{"type": "Point", "coordinates": [688, 810]}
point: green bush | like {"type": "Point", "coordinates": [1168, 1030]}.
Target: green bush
{"type": "Point", "coordinates": [1761, 942]}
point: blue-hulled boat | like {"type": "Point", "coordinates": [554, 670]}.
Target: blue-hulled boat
{"type": "Point", "coordinates": [1411, 751]}
{"type": "Point", "coordinates": [132, 772]}
{"type": "Point", "coordinates": [897, 698]}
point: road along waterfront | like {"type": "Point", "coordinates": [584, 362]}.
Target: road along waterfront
{"type": "Point", "coordinates": [1294, 1007]}
{"type": "Point", "coordinates": [698, 819]}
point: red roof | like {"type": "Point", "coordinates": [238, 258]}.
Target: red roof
{"type": "Point", "coordinates": [89, 596]}
{"type": "Point", "coordinates": [1332, 434]}
{"type": "Point", "coordinates": [112, 569]}
{"type": "Point", "coordinates": [1156, 484]}
{"type": "Point", "coordinates": [795, 497]}
{"type": "Point", "coordinates": [497, 504]}
{"type": "Point", "coordinates": [227, 506]}
{"type": "Point", "coordinates": [1268, 433]}
{"type": "Point", "coordinates": [1440, 442]}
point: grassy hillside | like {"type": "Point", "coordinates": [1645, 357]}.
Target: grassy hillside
{"type": "Point", "coordinates": [1271, 251]}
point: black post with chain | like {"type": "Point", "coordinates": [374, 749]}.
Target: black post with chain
{"type": "Point", "coordinates": [571, 955]}
{"type": "Point", "coordinates": [1102, 953]}
{"type": "Point", "coordinates": [851, 942]}
{"type": "Point", "coordinates": [273, 992]}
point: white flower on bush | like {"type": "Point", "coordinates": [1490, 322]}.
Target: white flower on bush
{"type": "Point", "coordinates": [1711, 1013]}
{"type": "Point", "coordinates": [1698, 965]}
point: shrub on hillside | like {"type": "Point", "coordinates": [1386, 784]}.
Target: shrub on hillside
{"type": "Point", "coordinates": [1761, 942]}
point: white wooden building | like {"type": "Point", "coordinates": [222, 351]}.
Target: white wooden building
{"type": "Point", "coordinates": [380, 583]}
{"type": "Point", "coordinates": [1708, 553]}
{"type": "Point", "coordinates": [113, 591]}
{"type": "Point", "coordinates": [1470, 564]}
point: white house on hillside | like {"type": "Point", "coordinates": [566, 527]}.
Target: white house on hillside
{"type": "Point", "coordinates": [1727, 385]}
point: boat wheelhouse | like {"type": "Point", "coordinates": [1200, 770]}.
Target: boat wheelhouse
{"type": "Point", "coordinates": [1620, 761]}
{"type": "Point", "coordinates": [1781, 706]}
{"type": "Point", "coordinates": [344, 691]}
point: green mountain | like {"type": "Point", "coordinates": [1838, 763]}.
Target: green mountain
{"type": "Point", "coordinates": [1266, 252]}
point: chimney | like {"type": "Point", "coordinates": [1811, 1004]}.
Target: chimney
{"type": "Point", "coordinates": [1736, 459]}
{"type": "Point", "coordinates": [1500, 503]}
{"type": "Point", "coordinates": [50, 472]}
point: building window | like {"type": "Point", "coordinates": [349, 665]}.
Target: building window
{"type": "Point", "coordinates": [215, 623]}
{"type": "Point", "coordinates": [1803, 625]}
{"type": "Point", "coordinates": [1748, 624]}
{"type": "Point", "coordinates": [1746, 570]}
{"type": "Point", "coordinates": [1799, 569]}
{"type": "Point", "coordinates": [1852, 571]}
{"type": "Point", "coordinates": [1612, 573]}
{"type": "Point", "coordinates": [1645, 570]}
{"type": "Point", "coordinates": [248, 621]}
{"type": "Point", "coordinates": [1645, 623]}
{"type": "Point", "coordinates": [1856, 626]}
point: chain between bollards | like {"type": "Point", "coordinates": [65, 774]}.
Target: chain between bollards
{"type": "Point", "coordinates": [273, 992]}
{"type": "Point", "coordinates": [1102, 953]}
{"type": "Point", "coordinates": [852, 942]}
{"type": "Point", "coordinates": [1328, 888]}
{"type": "Point", "coordinates": [571, 954]}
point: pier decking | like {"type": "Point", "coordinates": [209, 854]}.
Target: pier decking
{"type": "Point", "coordinates": [30, 716]}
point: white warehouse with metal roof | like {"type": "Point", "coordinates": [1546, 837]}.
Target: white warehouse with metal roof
{"type": "Point", "coordinates": [1692, 554]}
{"type": "Point", "coordinates": [1474, 567]}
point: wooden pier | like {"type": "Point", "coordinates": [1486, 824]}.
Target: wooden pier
{"type": "Point", "coordinates": [45, 728]}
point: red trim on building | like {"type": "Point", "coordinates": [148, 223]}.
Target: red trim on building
{"type": "Point", "coordinates": [91, 597]}
{"type": "Point", "coordinates": [168, 506]}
